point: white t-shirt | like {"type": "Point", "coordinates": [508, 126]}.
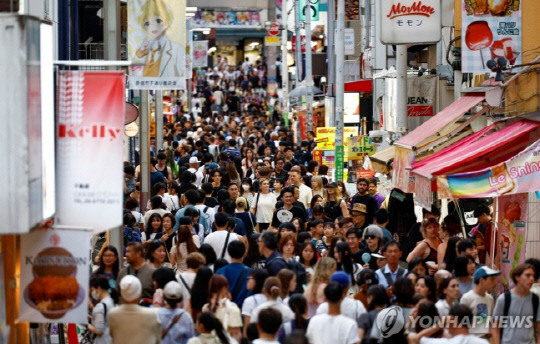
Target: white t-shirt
{"type": "Point", "coordinates": [264, 341]}
{"type": "Point", "coordinates": [482, 309]}
{"type": "Point", "coordinates": [251, 302]}
{"type": "Point", "coordinates": [335, 329]}
{"type": "Point", "coordinates": [306, 194]}
{"type": "Point", "coordinates": [350, 308]}
{"type": "Point", "coordinates": [265, 207]}
{"type": "Point", "coordinates": [209, 214]}
{"type": "Point", "coordinates": [138, 216]}
{"type": "Point", "coordinates": [217, 241]}
{"type": "Point", "coordinates": [286, 313]}
{"type": "Point", "coordinates": [442, 307]}
{"type": "Point", "coordinates": [189, 278]}
{"type": "Point", "coordinates": [461, 339]}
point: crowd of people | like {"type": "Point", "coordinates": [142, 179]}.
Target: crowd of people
{"type": "Point", "coordinates": [246, 239]}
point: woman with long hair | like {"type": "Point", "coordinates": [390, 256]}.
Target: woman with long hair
{"type": "Point", "coordinates": [154, 230]}
{"type": "Point", "coordinates": [299, 224]}
{"type": "Point", "coordinates": [450, 228]}
{"type": "Point", "coordinates": [184, 245]}
{"type": "Point", "coordinates": [210, 330]}
{"type": "Point", "coordinates": [298, 304]}
{"type": "Point", "coordinates": [288, 283]}
{"type": "Point", "coordinates": [234, 177]}
{"type": "Point", "coordinates": [109, 265]}
{"type": "Point", "coordinates": [220, 304]}
{"type": "Point", "coordinates": [451, 253]}
{"type": "Point", "coordinates": [448, 294]}
{"type": "Point", "coordinates": [255, 284]}
{"type": "Point", "coordinates": [307, 256]}
{"type": "Point", "coordinates": [199, 291]}
{"type": "Point", "coordinates": [246, 161]}
{"type": "Point", "coordinates": [343, 190]}
{"type": "Point", "coordinates": [345, 262]}
{"type": "Point", "coordinates": [426, 287]}
{"type": "Point", "coordinates": [263, 205]}
{"type": "Point", "coordinates": [317, 185]}
{"type": "Point", "coordinates": [101, 292]}
{"type": "Point", "coordinates": [427, 248]}
{"type": "Point", "coordinates": [334, 203]}
{"type": "Point", "coordinates": [465, 267]}
{"type": "Point", "coordinates": [315, 200]}
{"type": "Point", "coordinates": [314, 292]}
{"type": "Point", "coordinates": [247, 190]}
{"type": "Point", "coordinates": [272, 290]}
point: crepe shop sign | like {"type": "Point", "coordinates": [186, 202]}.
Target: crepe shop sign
{"type": "Point", "coordinates": [410, 22]}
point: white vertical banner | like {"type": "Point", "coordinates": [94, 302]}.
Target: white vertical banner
{"type": "Point", "coordinates": [55, 276]}
{"type": "Point", "coordinates": [90, 149]}
{"type": "Point", "coordinates": [200, 54]}
{"type": "Point", "coordinates": [349, 42]}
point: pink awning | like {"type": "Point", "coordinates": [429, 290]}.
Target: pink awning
{"type": "Point", "coordinates": [480, 150]}
{"type": "Point", "coordinates": [434, 125]}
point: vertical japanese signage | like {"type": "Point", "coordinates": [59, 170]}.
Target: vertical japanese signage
{"type": "Point", "coordinates": [90, 149]}
{"type": "Point", "coordinates": [157, 41]}
{"type": "Point", "coordinates": [512, 232]}
{"type": "Point", "coordinates": [54, 276]}
{"type": "Point", "coordinates": [407, 21]}
{"type": "Point", "coordinates": [200, 54]}
{"type": "Point", "coordinates": [340, 158]}
{"type": "Point", "coordinates": [491, 29]}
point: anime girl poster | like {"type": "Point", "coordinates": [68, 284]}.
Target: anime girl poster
{"type": "Point", "coordinates": [157, 44]}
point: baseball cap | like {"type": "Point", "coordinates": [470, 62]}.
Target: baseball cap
{"type": "Point", "coordinates": [332, 185]}
{"type": "Point", "coordinates": [194, 160]}
{"type": "Point", "coordinates": [483, 272]}
{"type": "Point", "coordinates": [341, 278]}
{"type": "Point", "coordinates": [173, 290]}
{"type": "Point", "coordinates": [212, 165]}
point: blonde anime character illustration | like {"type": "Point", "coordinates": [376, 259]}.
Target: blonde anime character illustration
{"type": "Point", "coordinates": [161, 56]}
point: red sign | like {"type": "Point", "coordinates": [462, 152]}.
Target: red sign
{"type": "Point", "coordinates": [302, 44]}
{"type": "Point", "coordinates": [415, 9]}
{"type": "Point", "coordinates": [420, 111]}
{"type": "Point", "coordinates": [274, 29]}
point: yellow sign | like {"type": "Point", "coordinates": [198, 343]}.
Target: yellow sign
{"type": "Point", "coordinates": [326, 137]}
{"type": "Point", "coordinates": [358, 147]}
{"type": "Point", "coordinates": [272, 41]}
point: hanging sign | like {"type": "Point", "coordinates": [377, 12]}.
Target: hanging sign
{"type": "Point", "coordinates": [157, 42]}
{"type": "Point", "coordinates": [349, 41]}
{"type": "Point", "coordinates": [54, 276]}
{"type": "Point", "coordinates": [326, 137]}
{"type": "Point", "coordinates": [408, 21]}
{"type": "Point", "coordinates": [89, 135]}
{"type": "Point", "coordinates": [200, 54]}
{"type": "Point", "coordinates": [491, 29]}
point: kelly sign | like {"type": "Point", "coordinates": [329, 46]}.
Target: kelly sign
{"type": "Point", "coordinates": [409, 22]}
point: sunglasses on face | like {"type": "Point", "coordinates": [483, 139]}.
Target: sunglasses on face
{"type": "Point", "coordinates": [370, 236]}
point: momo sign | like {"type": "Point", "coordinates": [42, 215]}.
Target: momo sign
{"type": "Point", "coordinates": [409, 22]}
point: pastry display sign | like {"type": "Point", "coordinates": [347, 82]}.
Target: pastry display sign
{"type": "Point", "coordinates": [492, 29]}
{"type": "Point", "coordinates": [410, 22]}
{"type": "Point", "coordinates": [54, 276]}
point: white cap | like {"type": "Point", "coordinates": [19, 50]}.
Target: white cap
{"type": "Point", "coordinates": [130, 288]}
{"type": "Point", "coordinates": [173, 290]}
{"type": "Point", "coordinates": [194, 160]}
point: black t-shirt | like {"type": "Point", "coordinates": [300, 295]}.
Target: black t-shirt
{"type": "Point", "coordinates": [298, 204]}
{"type": "Point", "coordinates": [296, 212]}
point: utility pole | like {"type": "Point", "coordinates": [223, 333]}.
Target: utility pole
{"type": "Point", "coordinates": [401, 101]}
{"type": "Point", "coordinates": [309, 69]}
{"type": "Point", "coordinates": [159, 119]}
{"type": "Point", "coordinates": [298, 54]}
{"type": "Point", "coordinates": [145, 149]}
{"type": "Point", "coordinates": [340, 88]}
{"type": "Point", "coordinates": [284, 67]}
{"type": "Point", "coordinates": [330, 55]}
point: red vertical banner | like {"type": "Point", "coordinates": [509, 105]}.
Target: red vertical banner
{"type": "Point", "coordinates": [90, 149]}
{"type": "Point", "coordinates": [302, 120]}
{"type": "Point", "coordinates": [317, 156]}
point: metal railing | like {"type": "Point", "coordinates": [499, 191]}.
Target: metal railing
{"type": "Point", "coordinates": [95, 51]}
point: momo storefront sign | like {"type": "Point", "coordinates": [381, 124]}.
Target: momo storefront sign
{"type": "Point", "coordinates": [408, 22]}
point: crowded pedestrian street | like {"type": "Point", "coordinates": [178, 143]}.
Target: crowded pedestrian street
{"type": "Point", "coordinates": [270, 172]}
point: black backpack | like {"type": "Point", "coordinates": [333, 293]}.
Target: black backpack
{"type": "Point", "coordinates": [508, 300]}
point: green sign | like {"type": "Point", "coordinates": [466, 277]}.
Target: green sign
{"type": "Point", "coordinates": [314, 9]}
{"type": "Point", "coordinates": [340, 159]}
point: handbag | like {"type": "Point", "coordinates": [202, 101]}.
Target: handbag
{"type": "Point", "coordinates": [256, 227]}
